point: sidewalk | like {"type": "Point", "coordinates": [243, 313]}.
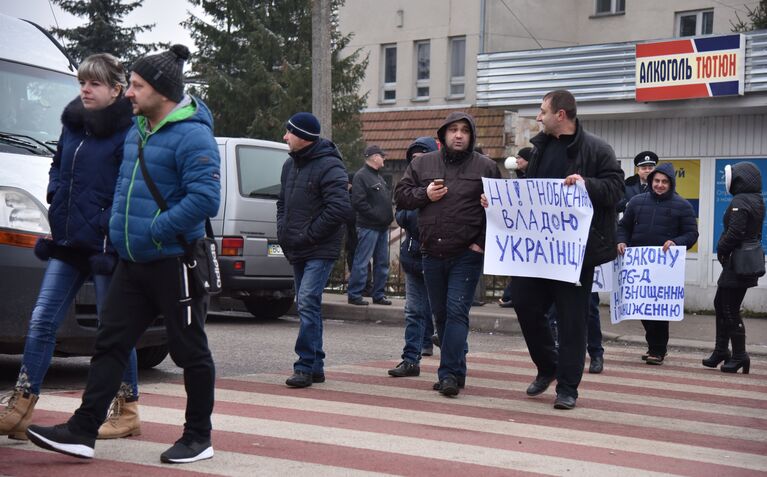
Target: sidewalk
{"type": "Point", "coordinates": [694, 332]}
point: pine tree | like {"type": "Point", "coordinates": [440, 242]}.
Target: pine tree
{"type": "Point", "coordinates": [757, 19]}
{"type": "Point", "coordinates": [253, 62]}
{"type": "Point", "coordinates": [104, 32]}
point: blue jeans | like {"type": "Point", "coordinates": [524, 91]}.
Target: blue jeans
{"type": "Point", "coordinates": [450, 283]}
{"type": "Point", "coordinates": [310, 277]}
{"type": "Point", "coordinates": [417, 316]}
{"type": "Point", "coordinates": [60, 285]}
{"type": "Point", "coordinates": [594, 327]}
{"type": "Point", "coordinates": [428, 331]}
{"type": "Point", "coordinates": [375, 244]}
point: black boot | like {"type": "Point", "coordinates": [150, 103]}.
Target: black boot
{"type": "Point", "coordinates": [721, 353]}
{"type": "Point", "coordinates": [739, 358]}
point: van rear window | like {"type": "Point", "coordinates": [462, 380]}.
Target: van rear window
{"type": "Point", "coordinates": [259, 170]}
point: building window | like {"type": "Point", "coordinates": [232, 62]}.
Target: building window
{"type": "Point", "coordinates": [422, 68]}
{"type": "Point", "coordinates": [457, 67]}
{"type": "Point", "coordinates": [610, 7]}
{"type": "Point", "coordinates": [389, 87]}
{"type": "Point", "coordinates": [695, 23]}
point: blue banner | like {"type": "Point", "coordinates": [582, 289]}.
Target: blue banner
{"type": "Point", "coordinates": [722, 198]}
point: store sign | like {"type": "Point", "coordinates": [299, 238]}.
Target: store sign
{"type": "Point", "coordinates": [691, 68]}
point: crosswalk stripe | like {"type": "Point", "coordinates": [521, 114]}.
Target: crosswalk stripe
{"type": "Point", "coordinates": [629, 421]}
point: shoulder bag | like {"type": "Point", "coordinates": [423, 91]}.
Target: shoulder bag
{"type": "Point", "coordinates": [748, 259]}
{"type": "Point", "coordinates": [201, 257]}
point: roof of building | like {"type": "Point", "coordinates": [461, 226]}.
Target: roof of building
{"type": "Point", "coordinates": [395, 130]}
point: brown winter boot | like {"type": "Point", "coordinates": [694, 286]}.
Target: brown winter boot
{"type": "Point", "coordinates": [15, 418]}
{"type": "Point", "coordinates": [123, 420]}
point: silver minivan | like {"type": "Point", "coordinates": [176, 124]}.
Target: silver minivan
{"type": "Point", "coordinates": [37, 80]}
{"type": "Point", "coordinates": [254, 270]}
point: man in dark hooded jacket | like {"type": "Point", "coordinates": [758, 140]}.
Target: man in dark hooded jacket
{"type": "Point", "coordinates": [418, 322]}
{"type": "Point", "coordinates": [312, 209]}
{"type": "Point", "coordinates": [445, 186]}
{"type": "Point", "coordinates": [660, 217]}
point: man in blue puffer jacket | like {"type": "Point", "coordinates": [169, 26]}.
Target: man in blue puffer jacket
{"type": "Point", "coordinates": [173, 136]}
{"type": "Point", "coordinates": [660, 217]}
{"type": "Point", "coordinates": [312, 209]}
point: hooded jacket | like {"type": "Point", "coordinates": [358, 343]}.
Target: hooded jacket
{"type": "Point", "coordinates": [313, 205]}
{"type": "Point", "coordinates": [450, 225]}
{"type": "Point", "coordinates": [594, 160]}
{"type": "Point", "coordinates": [743, 221]}
{"type": "Point", "coordinates": [651, 219]}
{"type": "Point", "coordinates": [410, 248]}
{"type": "Point", "coordinates": [83, 175]}
{"type": "Point", "coordinates": [182, 158]}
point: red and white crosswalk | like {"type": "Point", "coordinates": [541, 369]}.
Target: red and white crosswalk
{"type": "Point", "coordinates": [634, 419]}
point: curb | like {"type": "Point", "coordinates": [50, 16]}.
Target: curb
{"type": "Point", "coordinates": [489, 319]}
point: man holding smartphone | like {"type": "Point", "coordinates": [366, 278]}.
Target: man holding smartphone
{"type": "Point", "coordinates": [445, 187]}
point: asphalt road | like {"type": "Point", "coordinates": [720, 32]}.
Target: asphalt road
{"type": "Point", "coordinates": [242, 346]}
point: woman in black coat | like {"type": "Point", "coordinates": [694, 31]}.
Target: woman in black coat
{"type": "Point", "coordinates": [743, 221]}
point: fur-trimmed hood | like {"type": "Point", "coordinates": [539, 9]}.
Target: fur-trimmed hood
{"type": "Point", "coordinates": [101, 123]}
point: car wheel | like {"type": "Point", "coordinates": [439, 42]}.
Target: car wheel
{"type": "Point", "coordinates": [151, 356]}
{"type": "Point", "coordinates": [268, 309]}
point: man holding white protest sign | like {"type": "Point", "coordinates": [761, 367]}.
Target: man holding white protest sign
{"type": "Point", "coordinates": [659, 218]}
{"type": "Point", "coordinates": [592, 186]}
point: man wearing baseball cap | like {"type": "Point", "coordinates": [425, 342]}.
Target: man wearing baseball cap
{"type": "Point", "coordinates": [371, 200]}
{"type": "Point", "coordinates": [645, 163]}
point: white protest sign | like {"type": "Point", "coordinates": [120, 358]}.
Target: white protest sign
{"type": "Point", "coordinates": [648, 284]}
{"type": "Point", "coordinates": [536, 228]}
{"type": "Point", "coordinates": [603, 278]}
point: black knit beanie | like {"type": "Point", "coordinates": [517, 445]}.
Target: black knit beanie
{"type": "Point", "coordinates": [165, 71]}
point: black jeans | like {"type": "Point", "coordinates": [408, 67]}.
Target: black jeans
{"type": "Point", "coordinates": [138, 293]}
{"type": "Point", "coordinates": [532, 298]}
{"type": "Point", "coordinates": [656, 334]}
{"type": "Point", "coordinates": [727, 303]}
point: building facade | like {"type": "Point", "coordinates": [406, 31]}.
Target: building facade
{"type": "Point", "coordinates": [517, 50]}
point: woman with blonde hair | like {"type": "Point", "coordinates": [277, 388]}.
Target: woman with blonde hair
{"type": "Point", "coordinates": [80, 192]}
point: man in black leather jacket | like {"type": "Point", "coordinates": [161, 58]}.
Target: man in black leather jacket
{"type": "Point", "coordinates": [565, 150]}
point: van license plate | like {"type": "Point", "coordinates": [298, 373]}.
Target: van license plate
{"type": "Point", "coordinates": [274, 249]}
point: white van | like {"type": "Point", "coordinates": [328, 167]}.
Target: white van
{"type": "Point", "coordinates": [253, 267]}
{"type": "Point", "coordinates": [37, 80]}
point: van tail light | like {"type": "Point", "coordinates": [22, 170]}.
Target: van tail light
{"type": "Point", "coordinates": [232, 246]}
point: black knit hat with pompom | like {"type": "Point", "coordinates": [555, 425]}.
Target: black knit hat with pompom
{"type": "Point", "coordinates": [165, 71]}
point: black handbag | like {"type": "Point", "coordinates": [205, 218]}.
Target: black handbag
{"type": "Point", "coordinates": [200, 257]}
{"type": "Point", "coordinates": [748, 260]}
